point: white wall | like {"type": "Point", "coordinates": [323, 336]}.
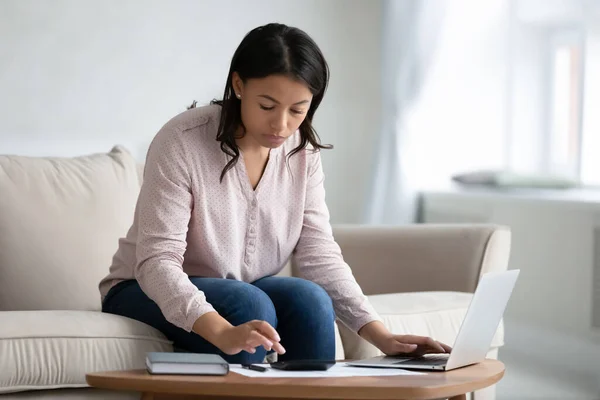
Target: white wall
{"type": "Point", "coordinates": [77, 76]}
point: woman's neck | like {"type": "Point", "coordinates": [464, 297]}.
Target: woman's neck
{"type": "Point", "coordinates": [250, 147]}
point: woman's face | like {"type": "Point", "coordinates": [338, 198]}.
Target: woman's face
{"type": "Point", "coordinates": [272, 108]}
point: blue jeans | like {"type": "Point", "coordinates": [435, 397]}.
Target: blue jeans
{"type": "Point", "coordinates": [301, 312]}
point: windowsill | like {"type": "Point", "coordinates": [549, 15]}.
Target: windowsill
{"type": "Point", "coordinates": [584, 195]}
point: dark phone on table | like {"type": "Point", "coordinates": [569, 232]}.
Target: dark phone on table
{"type": "Point", "coordinates": [303, 365]}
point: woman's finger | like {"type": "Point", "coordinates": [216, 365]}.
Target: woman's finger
{"type": "Point", "coordinates": [435, 345]}
{"type": "Point", "coordinates": [278, 348]}
{"type": "Point", "coordinates": [404, 347]}
{"type": "Point", "coordinates": [422, 341]}
{"type": "Point", "coordinates": [256, 339]}
{"type": "Point", "coordinates": [266, 330]}
{"type": "Point", "coordinates": [447, 348]}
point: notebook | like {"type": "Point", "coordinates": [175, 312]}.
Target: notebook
{"type": "Point", "coordinates": [186, 363]}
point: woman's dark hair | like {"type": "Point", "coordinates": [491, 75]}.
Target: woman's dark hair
{"type": "Point", "coordinates": [273, 49]}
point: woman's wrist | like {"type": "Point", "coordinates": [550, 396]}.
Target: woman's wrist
{"type": "Point", "coordinates": [211, 326]}
{"type": "Point", "coordinates": [374, 332]}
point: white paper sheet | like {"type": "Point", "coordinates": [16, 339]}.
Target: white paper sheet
{"type": "Point", "coordinates": [341, 369]}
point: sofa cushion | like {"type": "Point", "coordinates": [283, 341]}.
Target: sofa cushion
{"type": "Point", "coordinates": [435, 314]}
{"type": "Point", "coordinates": [52, 349]}
{"type": "Point", "coordinates": [60, 221]}
{"type": "Point", "coordinates": [340, 354]}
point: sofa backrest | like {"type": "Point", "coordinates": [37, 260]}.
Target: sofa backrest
{"type": "Point", "coordinates": [60, 222]}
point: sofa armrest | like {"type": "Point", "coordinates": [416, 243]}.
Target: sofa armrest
{"type": "Point", "coordinates": [423, 257]}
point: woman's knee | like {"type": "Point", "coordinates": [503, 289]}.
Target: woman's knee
{"type": "Point", "coordinates": [313, 298]}
{"type": "Point", "coordinates": [306, 315]}
{"type": "Point", "coordinates": [247, 303]}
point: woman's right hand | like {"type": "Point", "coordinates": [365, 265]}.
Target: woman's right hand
{"type": "Point", "coordinates": [233, 339]}
{"type": "Point", "coordinates": [248, 337]}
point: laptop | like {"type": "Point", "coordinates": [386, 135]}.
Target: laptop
{"type": "Point", "coordinates": [474, 336]}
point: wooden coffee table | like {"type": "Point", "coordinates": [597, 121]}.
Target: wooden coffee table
{"type": "Point", "coordinates": [435, 385]}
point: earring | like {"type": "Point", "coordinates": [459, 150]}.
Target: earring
{"type": "Point", "coordinates": [239, 96]}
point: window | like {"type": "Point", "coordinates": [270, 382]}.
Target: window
{"type": "Point", "coordinates": [554, 89]}
{"type": "Point", "coordinates": [590, 145]}
{"type": "Point", "coordinates": [555, 128]}
{"type": "Point", "coordinates": [564, 104]}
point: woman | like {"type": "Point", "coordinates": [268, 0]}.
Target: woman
{"type": "Point", "coordinates": [217, 219]}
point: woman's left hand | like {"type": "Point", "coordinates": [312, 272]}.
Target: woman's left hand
{"type": "Point", "coordinates": [394, 345]}
{"type": "Point", "coordinates": [411, 345]}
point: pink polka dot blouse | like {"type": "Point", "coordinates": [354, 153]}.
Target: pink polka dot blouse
{"type": "Point", "coordinates": [188, 223]}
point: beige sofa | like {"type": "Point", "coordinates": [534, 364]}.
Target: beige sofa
{"type": "Point", "coordinates": [60, 220]}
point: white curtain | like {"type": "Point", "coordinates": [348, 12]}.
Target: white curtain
{"type": "Point", "coordinates": [446, 89]}
{"type": "Point", "coordinates": [410, 34]}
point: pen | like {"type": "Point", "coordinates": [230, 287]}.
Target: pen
{"type": "Point", "coordinates": [255, 367]}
